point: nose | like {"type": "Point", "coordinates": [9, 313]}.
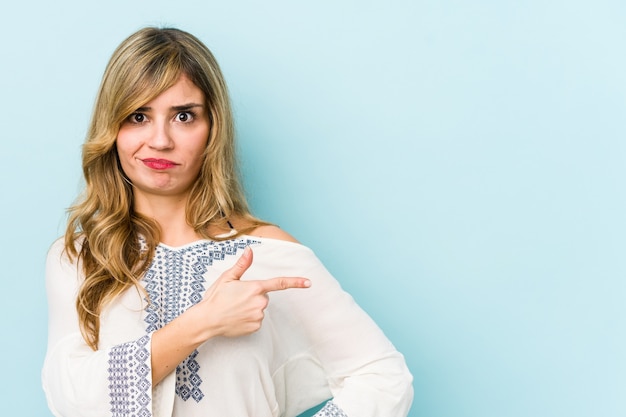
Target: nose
{"type": "Point", "coordinates": [160, 137]}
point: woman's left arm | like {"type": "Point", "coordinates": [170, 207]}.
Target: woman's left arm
{"type": "Point", "coordinates": [366, 374]}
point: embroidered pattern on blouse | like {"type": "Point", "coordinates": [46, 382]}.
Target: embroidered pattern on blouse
{"type": "Point", "coordinates": [129, 381]}
{"type": "Point", "coordinates": [330, 410]}
{"type": "Point", "coordinates": [174, 282]}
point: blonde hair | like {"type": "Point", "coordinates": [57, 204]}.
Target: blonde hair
{"type": "Point", "coordinates": [103, 229]}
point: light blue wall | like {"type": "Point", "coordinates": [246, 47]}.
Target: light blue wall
{"type": "Point", "coordinates": [459, 166]}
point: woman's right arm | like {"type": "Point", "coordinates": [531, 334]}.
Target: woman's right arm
{"type": "Point", "coordinates": [230, 308]}
{"type": "Point", "coordinates": [74, 377]}
{"type": "Point", "coordinates": [80, 382]}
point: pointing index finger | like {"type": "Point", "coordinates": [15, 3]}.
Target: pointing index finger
{"type": "Point", "coordinates": [284, 283]}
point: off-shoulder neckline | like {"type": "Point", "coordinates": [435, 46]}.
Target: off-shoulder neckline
{"type": "Point", "coordinates": [200, 242]}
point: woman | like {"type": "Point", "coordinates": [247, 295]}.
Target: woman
{"type": "Point", "coordinates": [156, 307]}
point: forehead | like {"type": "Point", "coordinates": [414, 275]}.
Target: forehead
{"type": "Point", "coordinates": [183, 91]}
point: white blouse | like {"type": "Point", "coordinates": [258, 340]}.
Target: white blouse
{"type": "Point", "coordinates": [314, 344]}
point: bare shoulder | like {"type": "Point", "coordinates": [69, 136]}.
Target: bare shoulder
{"type": "Point", "coordinates": [269, 231]}
{"type": "Point", "coordinates": [273, 232]}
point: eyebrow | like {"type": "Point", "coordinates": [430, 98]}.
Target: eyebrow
{"type": "Point", "coordinates": [182, 107]}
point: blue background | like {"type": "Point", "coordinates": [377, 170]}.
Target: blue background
{"type": "Point", "coordinates": [459, 166]}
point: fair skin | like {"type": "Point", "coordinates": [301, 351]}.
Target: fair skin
{"type": "Point", "coordinates": [160, 148]}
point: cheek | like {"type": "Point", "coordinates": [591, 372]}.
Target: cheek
{"type": "Point", "coordinates": [199, 148]}
{"type": "Point", "coordinates": [121, 141]}
{"type": "Point", "coordinates": [197, 158]}
{"type": "Point", "coordinates": [125, 144]}
{"type": "Point", "coordinates": [125, 152]}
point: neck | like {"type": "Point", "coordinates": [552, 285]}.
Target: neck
{"type": "Point", "coordinates": [169, 212]}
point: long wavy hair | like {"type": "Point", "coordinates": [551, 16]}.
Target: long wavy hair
{"type": "Point", "coordinates": [114, 243]}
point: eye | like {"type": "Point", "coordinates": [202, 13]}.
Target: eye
{"type": "Point", "coordinates": [184, 116]}
{"type": "Point", "coordinates": [137, 118]}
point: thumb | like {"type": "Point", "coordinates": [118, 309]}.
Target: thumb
{"type": "Point", "coordinates": [241, 266]}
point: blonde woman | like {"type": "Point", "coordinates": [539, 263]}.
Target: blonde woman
{"type": "Point", "coordinates": [167, 297]}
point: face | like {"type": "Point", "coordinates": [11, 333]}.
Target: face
{"type": "Point", "coordinates": [161, 144]}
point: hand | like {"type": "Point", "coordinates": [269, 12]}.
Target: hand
{"type": "Point", "coordinates": [230, 307]}
{"type": "Point", "coordinates": [236, 308]}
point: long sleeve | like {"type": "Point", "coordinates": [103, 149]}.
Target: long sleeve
{"type": "Point", "coordinates": [314, 344]}
{"type": "Point", "coordinates": [79, 382]}
{"type": "Point", "coordinates": [366, 375]}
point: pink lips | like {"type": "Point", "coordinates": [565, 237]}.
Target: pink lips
{"type": "Point", "coordinates": [159, 164]}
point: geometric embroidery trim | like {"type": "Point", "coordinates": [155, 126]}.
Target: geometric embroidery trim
{"type": "Point", "coordinates": [330, 410]}
{"type": "Point", "coordinates": [174, 282]}
{"type": "Point", "coordinates": [129, 379]}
